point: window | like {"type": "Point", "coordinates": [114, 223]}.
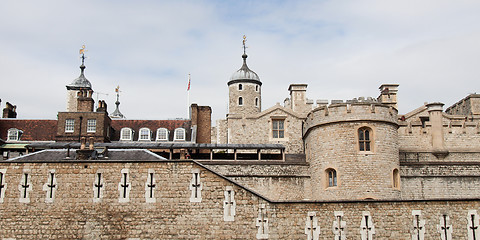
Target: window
{"type": "Point", "coordinates": [240, 101]}
{"type": "Point", "coordinates": [69, 125]}
{"type": "Point", "coordinates": [240, 87]}
{"type": "Point", "coordinates": [144, 134]}
{"type": "Point", "coordinates": [364, 139]}
{"type": "Point", "coordinates": [91, 125]}
{"type": "Point", "coordinates": [256, 88]}
{"type": "Point", "coordinates": [278, 128]}
{"type": "Point", "coordinates": [162, 134]}
{"type": "Point", "coordinates": [332, 177]}
{"type": "Point", "coordinates": [179, 134]}
{"type": "Point", "coordinates": [126, 134]}
{"type": "Point", "coordinates": [256, 102]}
{"type": "Point", "coordinates": [14, 134]}
{"type": "Point", "coordinates": [396, 179]}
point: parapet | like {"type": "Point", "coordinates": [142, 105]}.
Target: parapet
{"type": "Point", "coordinates": [338, 112]}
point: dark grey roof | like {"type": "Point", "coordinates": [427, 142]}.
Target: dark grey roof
{"type": "Point", "coordinates": [81, 82]}
{"type": "Point", "coordinates": [156, 145]}
{"type": "Point", "coordinates": [244, 74]}
{"type": "Point", "coordinates": [50, 155]}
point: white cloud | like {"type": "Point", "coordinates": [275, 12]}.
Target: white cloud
{"type": "Point", "coordinates": [342, 49]}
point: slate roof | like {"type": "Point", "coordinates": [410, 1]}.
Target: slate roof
{"type": "Point", "coordinates": [53, 155]}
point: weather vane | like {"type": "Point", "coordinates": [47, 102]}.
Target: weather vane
{"type": "Point", "coordinates": [244, 40]}
{"type": "Point", "coordinates": [82, 51]}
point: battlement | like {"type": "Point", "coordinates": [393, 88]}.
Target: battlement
{"type": "Point", "coordinates": [351, 111]}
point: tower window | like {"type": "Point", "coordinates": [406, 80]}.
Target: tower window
{"type": "Point", "coordinates": [332, 177]}
{"type": "Point", "coordinates": [256, 102]}
{"type": "Point", "coordinates": [278, 128]}
{"type": "Point", "coordinates": [240, 101]}
{"type": "Point", "coordinates": [69, 125]}
{"type": "Point", "coordinates": [364, 139]}
{"type": "Point", "coordinates": [240, 87]}
{"type": "Point", "coordinates": [91, 125]}
{"type": "Point", "coordinates": [256, 88]}
{"type": "Point", "coordinates": [396, 179]}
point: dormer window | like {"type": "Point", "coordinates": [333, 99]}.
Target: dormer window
{"type": "Point", "coordinates": [179, 134]}
{"type": "Point", "coordinates": [14, 134]}
{"type": "Point", "coordinates": [126, 134]}
{"type": "Point", "coordinates": [145, 134]}
{"type": "Point", "coordinates": [162, 134]}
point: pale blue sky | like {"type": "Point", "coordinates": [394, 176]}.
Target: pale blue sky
{"type": "Point", "coordinates": [341, 49]}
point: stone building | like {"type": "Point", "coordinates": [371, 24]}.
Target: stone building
{"type": "Point", "coordinates": [341, 169]}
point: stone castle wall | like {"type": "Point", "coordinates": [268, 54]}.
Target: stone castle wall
{"type": "Point", "coordinates": [74, 214]}
{"type": "Point", "coordinates": [259, 130]}
{"type": "Point", "coordinates": [277, 181]}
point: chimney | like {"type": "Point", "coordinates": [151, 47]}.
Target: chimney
{"type": "Point", "coordinates": [85, 100]}
{"type": "Point", "coordinates": [388, 95]}
{"type": "Point", "coordinates": [102, 106]}
{"type": "Point", "coordinates": [10, 111]}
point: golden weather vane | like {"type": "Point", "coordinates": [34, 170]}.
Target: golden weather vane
{"type": "Point", "coordinates": [244, 40]}
{"type": "Point", "coordinates": [82, 51]}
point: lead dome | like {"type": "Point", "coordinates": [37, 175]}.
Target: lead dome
{"type": "Point", "coordinates": [244, 74]}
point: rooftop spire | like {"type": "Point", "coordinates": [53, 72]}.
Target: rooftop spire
{"type": "Point", "coordinates": [117, 113]}
{"type": "Point", "coordinates": [81, 82]}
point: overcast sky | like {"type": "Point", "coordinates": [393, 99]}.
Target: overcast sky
{"type": "Point", "coordinates": [341, 49]}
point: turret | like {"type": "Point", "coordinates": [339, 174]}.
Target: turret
{"type": "Point", "coordinates": [353, 151]}
{"type": "Point", "coordinates": [244, 87]}
{"type": "Point", "coordinates": [80, 83]}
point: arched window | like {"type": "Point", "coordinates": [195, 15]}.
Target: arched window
{"type": "Point", "coordinates": [179, 134]}
{"type": "Point", "coordinates": [162, 134]}
{"type": "Point", "coordinates": [145, 134]}
{"type": "Point", "coordinates": [331, 177]}
{"type": "Point", "coordinates": [126, 134]}
{"type": "Point", "coordinates": [240, 101]}
{"type": "Point", "coordinates": [396, 179]}
{"type": "Point", "coordinates": [14, 134]}
{"type": "Point", "coordinates": [256, 102]}
{"type": "Point", "coordinates": [256, 88]}
{"type": "Point", "coordinates": [240, 87]}
{"type": "Point", "coordinates": [364, 139]}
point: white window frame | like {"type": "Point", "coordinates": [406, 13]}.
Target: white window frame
{"type": "Point", "coordinates": [92, 125]}
{"type": "Point", "coordinates": [278, 130]}
{"type": "Point", "coordinates": [123, 133]}
{"type": "Point", "coordinates": [70, 125]}
{"type": "Point", "coordinates": [144, 134]}
{"type": "Point", "coordinates": [13, 134]}
{"type": "Point", "coordinates": [159, 135]}
{"type": "Point", "coordinates": [177, 134]}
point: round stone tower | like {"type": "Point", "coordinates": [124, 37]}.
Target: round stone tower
{"type": "Point", "coordinates": [352, 149]}
{"type": "Point", "coordinates": [244, 90]}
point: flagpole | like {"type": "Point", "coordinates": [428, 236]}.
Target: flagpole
{"type": "Point", "coordinates": [188, 97]}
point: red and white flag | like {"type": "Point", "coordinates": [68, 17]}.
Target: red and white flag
{"type": "Point", "coordinates": [188, 87]}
